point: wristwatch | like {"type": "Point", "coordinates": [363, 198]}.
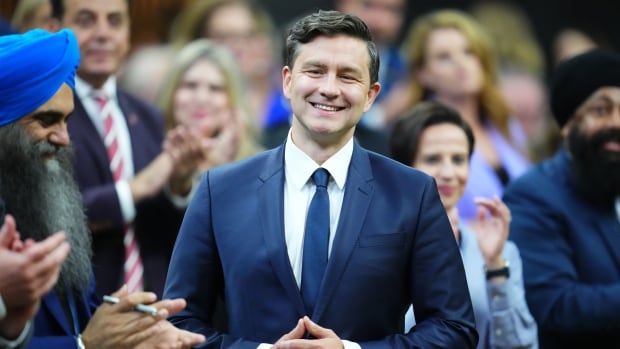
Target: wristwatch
{"type": "Point", "coordinates": [493, 273]}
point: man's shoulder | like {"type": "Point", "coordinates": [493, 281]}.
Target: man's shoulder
{"type": "Point", "coordinates": [553, 173]}
{"type": "Point", "coordinates": [258, 165]}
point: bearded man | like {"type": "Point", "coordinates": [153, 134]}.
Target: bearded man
{"type": "Point", "coordinates": [37, 72]}
{"type": "Point", "coordinates": [566, 211]}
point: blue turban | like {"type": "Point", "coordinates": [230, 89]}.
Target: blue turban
{"type": "Point", "coordinates": [33, 67]}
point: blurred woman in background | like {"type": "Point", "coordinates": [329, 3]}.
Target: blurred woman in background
{"type": "Point", "coordinates": [203, 92]}
{"type": "Point", "coordinates": [247, 31]}
{"type": "Point", "coordinates": [452, 62]}
{"type": "Point", "coordinates": [436, 140]}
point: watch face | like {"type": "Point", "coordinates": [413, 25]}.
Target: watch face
{"type": "Point", "coordinates": [505, 272]}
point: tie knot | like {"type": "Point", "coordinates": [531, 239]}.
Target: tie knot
{"type": "Point", "coordinates": [320, 177]}
{"type": "Point", "coordinates": [100, 97]}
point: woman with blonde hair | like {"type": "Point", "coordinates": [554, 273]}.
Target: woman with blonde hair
{"type": "Point", "coordinates": [246, 29]}
{"type": "Point", "coordinates": [452, 62]}
{"type": "Point", "coordinates": [203, 92]}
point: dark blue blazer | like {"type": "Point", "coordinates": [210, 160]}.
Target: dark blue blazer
{"type": "Point", "coordinates": [157, 220]}
{"type": "Point", "coordinates": [571, 258]}
{"type": "Point", "coordinates": [52, 329]}
{"type": "Point", "coordinates": [393, 247]}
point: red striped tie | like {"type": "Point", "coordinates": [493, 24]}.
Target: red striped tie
{"type": "Point", "coordinates": [133, 263]}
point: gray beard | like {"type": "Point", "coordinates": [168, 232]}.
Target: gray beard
{"type": "Point", "coordinates": [42, 195]}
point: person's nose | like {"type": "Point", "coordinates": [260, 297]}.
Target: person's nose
{"type": "Point", "coordinates": [446, 171]}
{"type": "Point", "coordinates": [59, 135]}
{"type": "Point", "coordinates": [329, 86]}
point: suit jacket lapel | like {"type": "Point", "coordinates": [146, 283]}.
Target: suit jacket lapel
{"type": "Point", "coordinates": [132, 120]}
{"type": "Point", "coordinates": [83, 127]}
{"type": "Point", "coordinates": [357, 196]}
{"type": "Point", "coordinates": [52, 303]}
{"type": "Point", "coordinates": [271, 196]}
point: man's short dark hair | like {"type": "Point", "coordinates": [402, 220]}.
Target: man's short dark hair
{"type": "Point", "coordinates": [330, 23]}
{"type": "Point", "coordinates": [58, 8]}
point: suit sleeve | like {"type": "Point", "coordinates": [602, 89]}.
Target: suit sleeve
{"type": "Point", "coordinates": [65, 342]}
{"type": "Point", "coordinates": [439, 292]}
{"type": "Point", "coordinates": [555, 294]}
{"type": "Point", "coordinates": [512, 326]}
{"type": "Point", "coordinates": [195, 273]}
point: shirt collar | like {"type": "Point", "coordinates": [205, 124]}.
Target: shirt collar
{"type": "Point", "coordinates": [295, 158]}
{"type": "Point", "coordinates": [84, 90]}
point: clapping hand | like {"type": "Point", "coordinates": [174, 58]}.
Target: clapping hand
{"type": "Point", "coordinates": [491, 227]}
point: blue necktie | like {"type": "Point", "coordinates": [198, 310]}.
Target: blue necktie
{"type": "Point", "coordinates": [316, 241]}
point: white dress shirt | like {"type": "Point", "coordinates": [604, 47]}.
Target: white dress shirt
{"type": "Point", "coordinates": [86, 94]}
{"type": "Point", "coordinates": [298, 192]}
{"type": "Point", "coordinates": [5, 343]}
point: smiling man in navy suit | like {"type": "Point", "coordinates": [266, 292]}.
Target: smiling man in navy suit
{"type": "Point", "coordinates": [320, 242]}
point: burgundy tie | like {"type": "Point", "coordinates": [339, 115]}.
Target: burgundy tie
{"type": "Point", "coordinates": [133, 263]}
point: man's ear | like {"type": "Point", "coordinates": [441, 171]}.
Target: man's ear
{"type": "Point", "coordinates": [286, 80]}
{"type": "Point", "coordinates": [373, 92]}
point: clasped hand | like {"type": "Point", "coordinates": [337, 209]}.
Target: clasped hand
{"type": "Point", "coordinates": [324, 337]}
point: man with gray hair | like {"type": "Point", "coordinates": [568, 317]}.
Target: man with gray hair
{"type": "Point", "coordinates": [37, 72]}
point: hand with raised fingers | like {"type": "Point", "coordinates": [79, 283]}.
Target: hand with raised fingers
{"type": "Point", "coordinates": [492, 228]}
{"type": "Point", "coordinates": [187, 151]}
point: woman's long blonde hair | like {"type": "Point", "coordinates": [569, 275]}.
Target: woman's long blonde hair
{"type": "Point", "coordinates": [204, 49]}
{"type": "Point", "coordinates": [493, 107]}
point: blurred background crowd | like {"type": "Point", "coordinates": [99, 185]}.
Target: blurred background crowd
{"type": "Point", "coordinates": [210, 73]}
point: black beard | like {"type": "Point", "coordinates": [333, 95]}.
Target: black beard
{"type": "Point", "coordinates": [597, 171]}
{"type": "Point", "coordinates": [42, 195]}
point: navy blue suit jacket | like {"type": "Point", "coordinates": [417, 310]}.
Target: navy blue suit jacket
{"type": "Point", "coordinates": [571, 258]}
{"type": "Point", "coordinates": [52, 329]}
{"type": "Point", "coordinates": [393, 247]}
{"type": "Point", "coordinates": [157, 220]}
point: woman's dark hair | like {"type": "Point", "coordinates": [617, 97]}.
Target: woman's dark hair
{"type": "Point", "coordinates": [408, 130]}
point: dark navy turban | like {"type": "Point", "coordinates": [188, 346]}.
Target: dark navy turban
{"type": "Point", "coordinates": [579, 77]}
{"type": "Point", "coordinates": [33, 66]}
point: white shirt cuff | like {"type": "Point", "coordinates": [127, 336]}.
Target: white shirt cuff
{"type": "Point", "coordinates": [350, 345]}
{"type": "Point", "coordinates": [10, 344]}
{"type": "Point", "coordinates": [181, 202]}
{"type": "Point", "coordinates": [128, 208]}
{"type": "Point", "coordinates": [347, 345]}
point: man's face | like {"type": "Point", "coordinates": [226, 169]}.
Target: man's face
{"type": "Point", "coordinates": [329, 89]}
{"type": "Point", "coordinates": [49, 122]}
{"type": "Point", "coordinates": [594, 143]}
{"type": "Point", "coordinates": [102, 30]}
{"type": "Point", "coordinates": [598, 120]}
{"type": "Point", "coordinates": [38, 185]}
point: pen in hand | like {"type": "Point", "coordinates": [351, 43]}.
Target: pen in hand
{"type": "Point", "coordinates": [139, 307]}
